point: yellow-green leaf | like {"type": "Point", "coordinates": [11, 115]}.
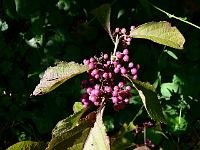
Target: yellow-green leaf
{"type": "Point", "coordinates": [97, 138]}
{"type": "Point", "coordinates": [160, 32]}
{"type": "Point", "coordinates": [55, 76]}
{"type": "Point", "coordinates": [149, 98]}
{"type": "Point", "coordinates": [28, 145]}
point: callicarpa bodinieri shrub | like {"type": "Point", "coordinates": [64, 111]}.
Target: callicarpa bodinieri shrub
{"type": "Point", "coordinates": [111, 76]}
{"type": "Point", "coordinates": [107, 75]}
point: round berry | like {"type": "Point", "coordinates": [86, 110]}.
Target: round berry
{"type": "Point", "coordinates": [116, 70]}
{"type": "Point", "coordinates": [125, 51]}
{"type": "Point", "coordinates": [123, 30]}
{"type": "Point", "coordinates": [130, 65]}
{"type": "Point", "coordinates": [134, 71]}
{"type": "Point", "coordinates": [89, 90]}
{"type": "Point", "coordinates": [119, 66]}
{"type": "Point", "coordinates": [93, 98]}
{"type": "Point", "coordinates": [91, 65]}
{"type": "Point", "coordinates": [119, 55]}
{"type": "Point", "coordinates": [108, 89]}
{"type": "Point", "coordinates": [105, 56]}
{"type": "Point", "coordinates": [114, 99]}
{"type": "Point", "coordinates": [86, 62]}
{"type": "Point", "coordinates": [96, 76]}
{"type": "Point", "coordinates": [132, 28]}
{"type": "Point", "coordinates": [105, 75]}
{"type": "Point", "coordinates": [128, 88]}
{"type": "Point", "coordinates": [116, 88]}
{"type": "Point", "coordinates": [117, 30]}
{"type": "Point", "coordinates": [126, 100]}
{"type": "Point", "coordinates": [121, 84]}
{"type": "Point", "coordinates": [128, 39]}
{"type": "Point", "coordinates": [123, 70]}
{"type": "Point", "coordinates": [92, 59]}
{"type": "Point", "coordinates": [114, 93]}
{"type": "Point", "coordinates": [97, 86]}
{"type": "Point", "coordinates": [126, 58]}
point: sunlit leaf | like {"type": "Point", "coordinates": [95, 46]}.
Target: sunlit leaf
{"type": "Point", "coordinates": [149, 98]}
{"type": "Point", "coordinates": [28, 145]}
{"type": "Point", "coordinates": [55, 76]}
{"type": "Point", "coordinates": [72, 139]}
{"type": "Point", "coordinates": [67, 124]}
{"type": "Point", "coordinates": [78, 106]}
{"type": "Point", "coordinates": [3, 25]}
{"type": "Point", "coordinates": [160, 32]}
{"type": "Point", "coordinates": [97, 138]}
{"type": "Point", "coordinates": [102, 13]}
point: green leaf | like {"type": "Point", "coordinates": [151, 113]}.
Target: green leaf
{"type": "Point", "coordinates": [3, 25]}
{"type": "Point", "coordinates": [102, 13]}
{"type": "Point", "coordinates": [125, 137]}
{"type": "Point", "coordinates": [97, 138]}
{"type": "Point", "coordinates": [55, 76]}
{"type": "Point", "coordinates": [28, 145]}
{"type": "Point", "coordinates": [78, 106]}
{"type": "Point", "coordinates": [160, 32]}
{"type": "Point", "coordinates": [73, 139]}
{"type": "Point", "coordinates": [149, 98]}
{"type": "Point", "coordinates": [67, 124]}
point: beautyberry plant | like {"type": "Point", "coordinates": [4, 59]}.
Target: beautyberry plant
{"type": "Point", "coordinates": [106, 75]}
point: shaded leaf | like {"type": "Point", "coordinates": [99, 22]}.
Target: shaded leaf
{"type": "Point", "coordinates": [55, 76]}
{"type": "Point", "coordinates": [97, 138]}
{"type": "Point", "coordinates": [125, 137]}
{"type": "Point", "coordinates": [160, 32]}
{"type": "Point", "coordinates": [149, 98]}
{"type": "Point", "coordinates": [73, 139]}
{"type": "Point", "coordinates": [28, 145]}
{"type": "Point", "coordinates": [102, 13]}
{"type": "Point", "coordinates": [67, 124]}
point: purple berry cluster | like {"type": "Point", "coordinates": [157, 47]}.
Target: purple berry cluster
{"type": "Point", "coordinates": [106, 80]}
{"type": "Point", "coordinates": [123, 35]}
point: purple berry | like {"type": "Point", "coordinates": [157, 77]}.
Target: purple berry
{"type": "Point", "coordinates": [116, 88]}
{"type": "Point", "coordinates": [108, 62]}
{"type": "Point", "coordinates": [128, 88]}
{"type": "Point", "coordinates": [123, 30]}
{"type": "Point", "coordinates": [92, 59]}
{"type": "Point", "coordinates": [114, 99]}
{"type": "Point", "coordinates": [91, 65]}
{"type": "Point", "coordinates": [105, 56]}
{"type": "Point", "coordinates": [133, 71]}
{"type": "Point", "coordinates": [110, 75]}
{"type": "Point", "coordinates": [89, 90]}
{"type": "Point", "coordinates": [96, 76]}
{"type": "Point", "coordinates": [93, 98]}
{"type": "Point", "coordinates": [105, 75]}
{"type": "Point", "coordinates": [132, 28]}
{"type": "Point", "coordinates": [125, 51]}
{"type": "Point", "coordinates": [115, 93]}
{"type": "Point", "coordinates": [119, 66]}
{"type": "Point", "coordinates": [123, 70]}
{"type": "Point", "coordinates": [108, 89]}
{"type": "Point", "coordinates": [86, 62]}
{"type": "Point", "coordinates": [97, 86]}
{"type": "Point", "coordinates": [126, 58]}
{"type": "Point", "coordinates": [126, 100]}
{"type": "Point", "coordinates": [130, 65]}
{"type": "Point", "coordinates": [119, 55]}
{"type": "Point", "coordinates": [128, 39]}
{"type": "Point", "coordinates": [121, 84]}
{"type": "Point", "coordinates": [116, 70]}
{"type": "Point", "coordinates": [117, 30]}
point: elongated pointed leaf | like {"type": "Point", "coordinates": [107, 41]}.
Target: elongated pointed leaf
{"type": "Point", "coordinates": [67, 124]}
{"type": "Point", "coordinates": [55, 76]}
{"type": "Point", "coordinates": [102, 13]}
{"type": "Point", "coordinates": [150, 100]}
{"type": "Point", "coordinates": [71, 138]}
{"type": "Point", "coordinates": [28, 145]}
{"type": "Point", "coordinates": [97, 138]}
{"type": "Point", "coordinates": [160, 32]}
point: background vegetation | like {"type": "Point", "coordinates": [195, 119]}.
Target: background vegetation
{"type": "Point", "coordinates": [35, 34]}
